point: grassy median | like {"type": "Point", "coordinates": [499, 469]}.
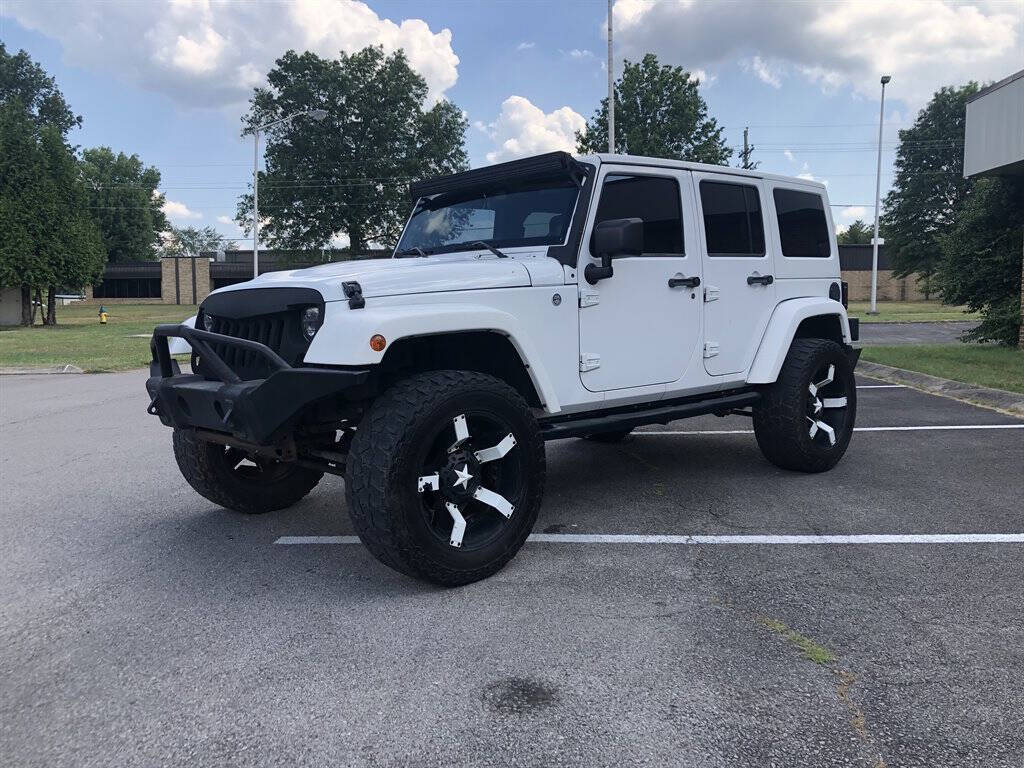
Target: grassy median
{"type": "Point", "coordinates": [910, 312]}
{"type": "Point", "coordinates": [984, 365]}
{"type": "Point", "coordinates": [79, 339]}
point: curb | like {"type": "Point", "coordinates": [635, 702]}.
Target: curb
{"type": "Point", "coordinates": [1011, 403]}
{"type": "Point", "coordinates": [36, 371]}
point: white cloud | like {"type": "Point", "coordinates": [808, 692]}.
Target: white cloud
{"type": "Point", "coordinates": [525, 46]}
{"type": "Point", "coordinates": [851, 213]}
{"type": "Point", "coordinates": [179, 211]}
{"type": "Point", "coordinates": [523, 129]}
{"type": "Point", "coordinates": [204, 53]}
{"type": "Point", "coordinates": [765, 73]}
{"type": "Point", "coordinates": [226, 220]}
{"type": "Point", "coordinates": [578, 54]}
{"type": "Point", "coordinates": [789, 155]}
{"type": "Point", "coordinates": [703, 76]}
{"type": "Point", "coordinates": [847, 43]}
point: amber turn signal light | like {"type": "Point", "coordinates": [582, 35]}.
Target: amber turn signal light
{"type": "Point", "coordinates": [378, 342]}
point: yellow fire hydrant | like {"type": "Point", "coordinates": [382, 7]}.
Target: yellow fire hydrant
{"type": "Point", "coordinates": [103, 315]}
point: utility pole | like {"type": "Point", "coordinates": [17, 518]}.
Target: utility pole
{"type": "Point", "coordinates": [747, 150]}
{"type": "Point", "coordinates": [878, 189]}
{"type": "Point", "coordinates": [611, 86]}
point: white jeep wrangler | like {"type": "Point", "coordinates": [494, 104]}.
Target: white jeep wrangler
{"type": "Point", "coordinates": [544, 298]}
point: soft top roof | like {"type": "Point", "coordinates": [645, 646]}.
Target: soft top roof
{"type": "Point", "coordinates": [553, 165]}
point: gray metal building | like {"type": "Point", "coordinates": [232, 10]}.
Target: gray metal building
{"type": "Point", "coordinates": [994, 137]}
{"type": "Point", "coordinates": [994, 140]}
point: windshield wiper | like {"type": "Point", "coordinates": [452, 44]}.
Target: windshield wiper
{"type": "Point", "coordinates": [490, 248]}
{"type": "Point", "coordinates": [414, 252]}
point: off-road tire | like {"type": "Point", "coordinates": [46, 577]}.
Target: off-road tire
{"type": "Point", "coordinates": [381, 471]}
{"type": "Point", "coordinates": [615, 436]}
{"type": "Point", "coordinates": [202, 465]}
{"type": "Point", "coordinates": [781, 417]}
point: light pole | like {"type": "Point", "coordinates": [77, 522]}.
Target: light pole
{"type": "Point", "coordinates": [316, 114]}
{"type": "Point", "coordinates": [878, 188]}
{"type": "Point", "coordinates": [611, 86]}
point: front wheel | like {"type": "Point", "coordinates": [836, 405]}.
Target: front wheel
{"type": "Point", "coordinates": [445, 476]}
{"type": "Point", "coordinates": [234, 479]}
{"type": "Point", "coordinates": [804, 420]}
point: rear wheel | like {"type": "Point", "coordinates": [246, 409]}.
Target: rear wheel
{"type": "Point", "coordinates": [804, 420]}
{"type": "Point", "coordinates": [445, 476]}
{"type": "Point", "coordinates": [232, 478]}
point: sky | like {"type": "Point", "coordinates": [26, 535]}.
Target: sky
{"type": "Point", "coordinates": [169, 80]}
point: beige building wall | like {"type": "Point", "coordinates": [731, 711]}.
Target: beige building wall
{"type": "Point", "coordinates": [889, 288]}
{"type": "Point", "coordinates": [178, 289]}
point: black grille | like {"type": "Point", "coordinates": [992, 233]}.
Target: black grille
{"type": "Point", "coordinates": [269, 316]}
{"type": "Point", "coordinates": [265, 329]}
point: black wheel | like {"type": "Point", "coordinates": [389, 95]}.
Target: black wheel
{"type": "Point", "coordinates": [445, 476]}
{"type": "Point", "coordinates": [805, 419]}
{"type": "Point", "coordinates": [616, 436]}
{"type": "Point", "coordinates": [233, 479]}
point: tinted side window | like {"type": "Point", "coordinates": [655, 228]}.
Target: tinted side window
{"type": "Point", "coordinates": [732, 219]}
{"type": "Point", "coordinates": [802, 227]}
{"type": "Point", "coordinates": [653, 199]}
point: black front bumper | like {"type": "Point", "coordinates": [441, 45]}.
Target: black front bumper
{"type": "Point", "coordinates": [255, 411]}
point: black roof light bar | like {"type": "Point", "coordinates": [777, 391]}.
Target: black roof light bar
{"type": "Point", "coordinates": [553, 165]}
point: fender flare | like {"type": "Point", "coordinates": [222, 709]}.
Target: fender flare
{"type": "Point", "coordinates": [781, 331]}
{"type": "Point", "coordinates": [177, 345]}
{"type": "Point", "coordinates": [344, 337]}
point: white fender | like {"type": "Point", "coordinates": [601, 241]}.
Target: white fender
{"type": "Point", "coordinates": [782, 328]}
{"type": "Point", "coordinates": [345, 335]}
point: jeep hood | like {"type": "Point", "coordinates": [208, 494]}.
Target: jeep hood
{"type": "Point", "coordinates": [396, 277]}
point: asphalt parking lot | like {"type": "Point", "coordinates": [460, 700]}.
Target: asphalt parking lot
{"type": "Point", "coordinates": [141, 625]}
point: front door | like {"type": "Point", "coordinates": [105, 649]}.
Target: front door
{"type": "Point", "coordinates": [739, 287]}
{"type": "Point", "coordinates": [640, 326]}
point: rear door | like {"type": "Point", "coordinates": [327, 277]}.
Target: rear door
{"type": "Point", "coordinates": [739, 289]}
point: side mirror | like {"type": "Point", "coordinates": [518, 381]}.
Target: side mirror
{"type": "Point", "coordinates": [612, 239]}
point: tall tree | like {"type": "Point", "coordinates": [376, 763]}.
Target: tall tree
{"type": "Point", "coordinates": [350, 172]}
{"type": "Point", "coordinates": [188, 241]}
{"type": "Point", "coordinates": [929, 187]}
{"type": "Point", "coordinates": [47, 235]}
{"type": "Point", "coordinates": [124, 200]}
{"type": "Point", "coordinates": [981, 259]}
{"type": "Point", "coordinates": [24, 81]}
{"type": "Point", "coordinates": [858, 233]}
{"type": "Point", "coordinates": [659, 112]}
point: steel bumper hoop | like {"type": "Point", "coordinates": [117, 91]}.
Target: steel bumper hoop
{"type": "Point", "coordinates": [255, 411]}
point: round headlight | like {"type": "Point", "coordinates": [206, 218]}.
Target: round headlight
{"type": "Point", "coordinates": [311, 322]}
{"type": "Point", "coordinates": [208, 322]}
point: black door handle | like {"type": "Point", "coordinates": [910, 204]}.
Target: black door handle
{"type": "Point", "coordinates": [689, 282]}
{"type": "Point", "coordinates": [760, 279]}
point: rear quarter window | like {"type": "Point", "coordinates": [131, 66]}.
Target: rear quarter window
{"type": "Point", "coordinates": [803, 229]}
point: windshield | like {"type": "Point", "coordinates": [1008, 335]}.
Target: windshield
{"type": "Point", "coordinates": [534, 215]}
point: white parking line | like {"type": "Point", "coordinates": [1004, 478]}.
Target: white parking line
{"type": "Point", "coordinates": [881, 386]}
{"type": "Point", "coordinates": [930, 427]}
{"type": "Point", "coordinates": [631, 538]}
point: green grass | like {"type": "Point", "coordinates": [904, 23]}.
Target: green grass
{"type": "Point", "coordinates": [79, 339]}
{"type": "Point", "coordinates": [811, 650]}
{"type": "Point", "coordinates": [986, 366]}
{"type": "Point", "coordinates": [910, 312]}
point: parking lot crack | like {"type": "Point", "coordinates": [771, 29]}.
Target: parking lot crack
{"type": "Point", "coordinates": [815, 652]}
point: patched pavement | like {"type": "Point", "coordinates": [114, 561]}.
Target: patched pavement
{"type": "Point", "coordinates": [142, 625]}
